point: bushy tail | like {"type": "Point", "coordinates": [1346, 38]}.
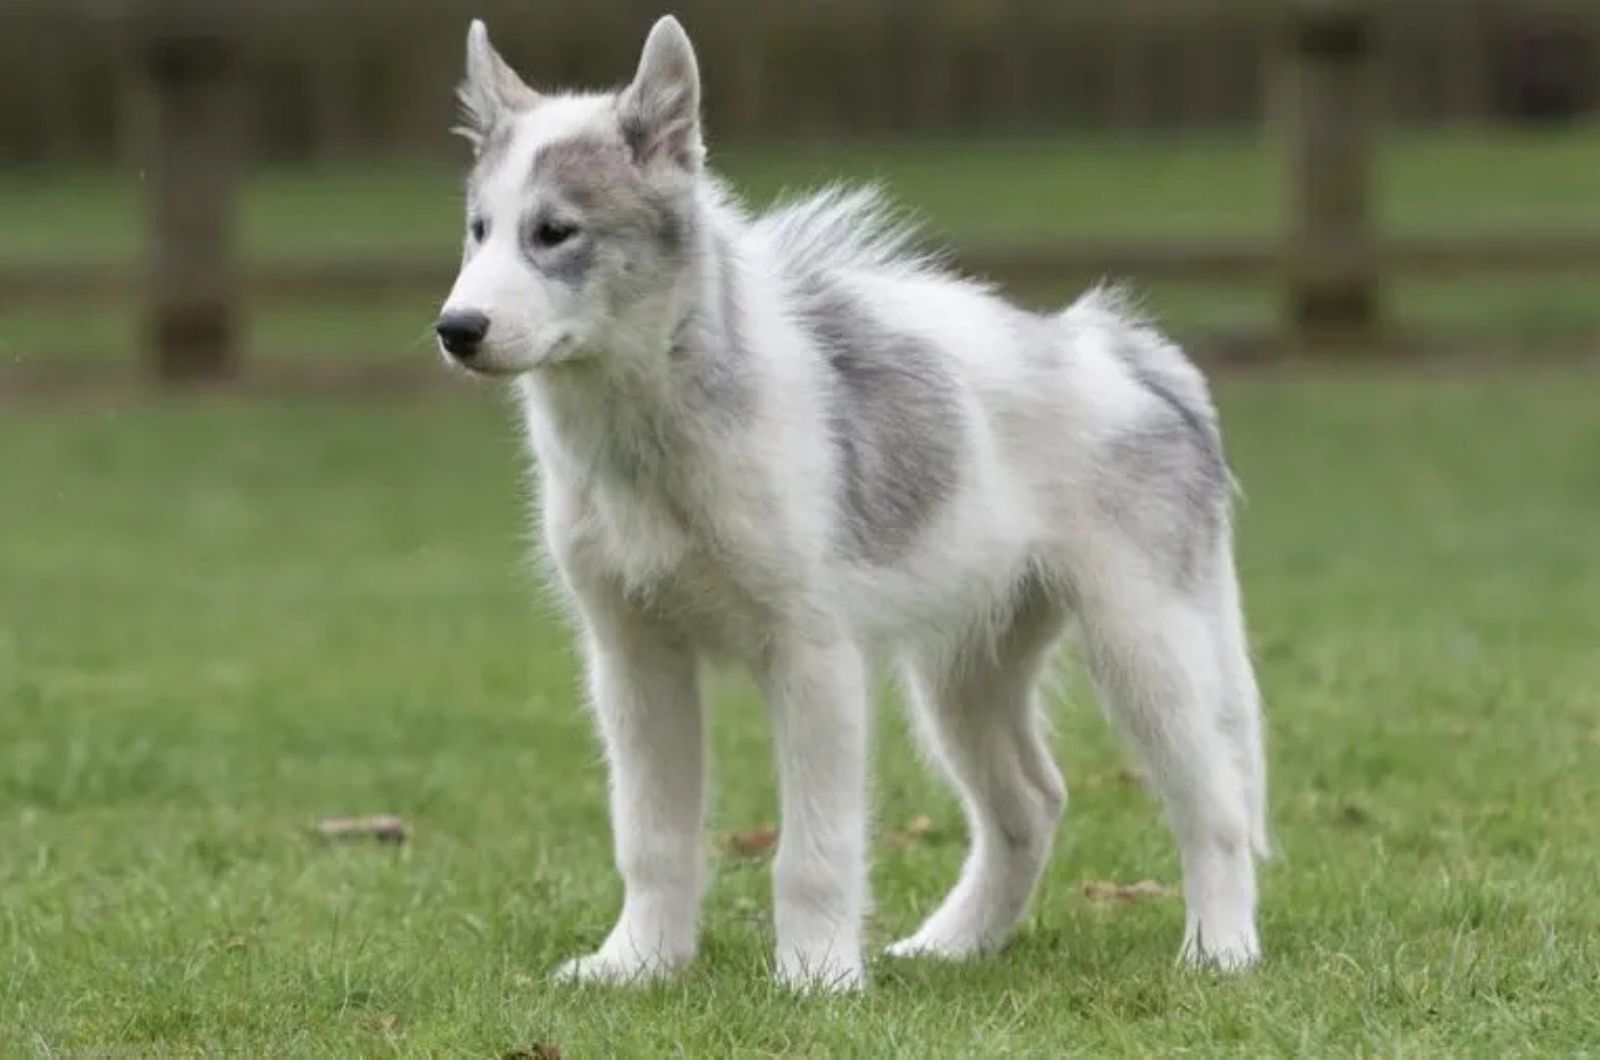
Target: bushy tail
{"type": "Point", "coordinates": [1161, 367]}
{"type": "Point", "coordinates": [1149, 355]}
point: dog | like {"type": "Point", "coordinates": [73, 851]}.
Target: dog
{"type": "Point", "coordinates": [793, 442]}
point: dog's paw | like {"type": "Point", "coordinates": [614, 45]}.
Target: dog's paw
{"type": "Point", "coordinates": [1230, 951]}
{"type": "Point", "coordinates": [939, 947]}
{"type": "Point", "coordinates": [828, 974]}
{"type": "Point", "coordinates": [947, 937]}
{"type": "Point", "coordinates": [612, 970]}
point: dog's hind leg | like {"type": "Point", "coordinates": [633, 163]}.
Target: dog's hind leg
{"type": "Point", "coordinates": [1241, 700]}
{"type": "Point", "coordinates": [981, 719]}
{"type": "Point", "coordinates": [1165, 673]}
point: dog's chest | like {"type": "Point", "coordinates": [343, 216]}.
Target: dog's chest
{"type": "Point", "coordinates": [650, 543]}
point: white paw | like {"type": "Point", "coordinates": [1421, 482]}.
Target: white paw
{"type": "Point", "coordinates": [613, 969]}
{"type": "Point", "coordinates": [1227, 951]}
{"type": "Point", "coordinates": [957, 931]}
{"type": "Point", "coordinates": [951, 946]}
{"type": "Point", "coordinates": [828, 974]}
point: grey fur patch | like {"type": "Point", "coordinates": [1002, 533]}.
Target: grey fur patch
{"type": "Point", "coordinates": [1167, 481]}
{"type": "Point", "coordinates": [586, 169]}
{"type": "Point", "coordinates": [1200, 424]}
{"type": "Point", "coordinates": [568, 263]}
{"type": "Point", "coordinates": [1167, 374]}
{"type": "Point", "coordinates": [671, 230]}
{"type": "Point", "coordinates": [635, 134]}
{"type": "Point", "coordinates": [896, 419]}
{"type": "Point", "coordinates": [1165, 484]}
{"type": "Point", "coordinates": [596, 175]}
{"type": "Point", "coordinates": [711, 351]}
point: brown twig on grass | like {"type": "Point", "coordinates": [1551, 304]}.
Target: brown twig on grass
{"type": "Point", "coordinates": [385, 828]}
{"type": "Point", "coordinates": [1126, 893]}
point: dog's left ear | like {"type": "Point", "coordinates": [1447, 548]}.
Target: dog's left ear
{"type": "Point", "coordinates": [491, 88]}
{"type": "Point", "coordinates": [660, 111]}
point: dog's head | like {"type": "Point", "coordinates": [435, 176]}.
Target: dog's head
{"type": "Point", "coordinates": [580, 210]}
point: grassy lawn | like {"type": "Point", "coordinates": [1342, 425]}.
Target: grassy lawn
{"type": "Point", "coordinates": [221, 620]}
{"type": "Point", "coordinates": [968, 192]}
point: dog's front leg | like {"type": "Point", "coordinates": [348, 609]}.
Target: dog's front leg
{"type": "Point", "coordinates": [821, 720]}
{"type": "Point", "coordinates": [646, 698]}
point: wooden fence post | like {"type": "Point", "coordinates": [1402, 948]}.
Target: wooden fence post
{"type": "Point", "coordinates": [1332, 265]}
{"type": "Point", "coordinates": [192, 312]}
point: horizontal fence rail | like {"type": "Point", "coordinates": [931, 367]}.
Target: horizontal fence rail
{"type": "Point", "coordinates": [1245, 260]}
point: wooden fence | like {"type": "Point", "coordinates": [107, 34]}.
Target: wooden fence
{"type": "Point", "coordinates": [1330, 263]}
{"type": "Point", "coordinates": [325, 79]}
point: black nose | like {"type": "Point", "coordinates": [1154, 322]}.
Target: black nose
{"type": "Point", "coordinates": [461, 331]}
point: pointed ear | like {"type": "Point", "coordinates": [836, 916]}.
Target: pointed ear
{"type": "Point", "coordinates": [660, 111]}
{"type": "Point", "coordinates": [491, 88]}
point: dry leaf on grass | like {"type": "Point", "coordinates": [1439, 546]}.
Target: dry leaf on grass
{"type": "Point", "coordinates": [1121, 778]}
{"type": "Point", "coordinates": [384, 828]}
{"type": "Point", "coordinates": [537, 1051]}
{"type": "Point", "coordinates": [918, 828]}
{"type": "Point", "coordinates": [753, 843]}
{"type": "Point", "coordinates": [384, 1023]}
{"type": "Point", "coordinates": [1352, 815]}
{"type": "Point", "coordinates": [1127, 893]}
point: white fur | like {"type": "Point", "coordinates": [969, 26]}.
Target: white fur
{"type": "Point", "coordinates": [724, 547]}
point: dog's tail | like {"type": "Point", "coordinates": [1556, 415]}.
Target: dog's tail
{"type": "Point", "coordinates": [1154, 360]}
{"type": "Point", "coordinates": [1162, 368]}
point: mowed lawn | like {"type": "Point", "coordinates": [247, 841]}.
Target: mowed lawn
{"type": "Point", "coordinates": [221, 621]}
{"type": "Point", "coordinates": [968, 192]}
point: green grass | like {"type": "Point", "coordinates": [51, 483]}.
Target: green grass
{"type": "Point", "coordinates": [1480, 180]}
{"type": "Point", "coordinates": [220, 620]}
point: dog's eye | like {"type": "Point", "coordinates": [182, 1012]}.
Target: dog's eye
{"type": "Point", "coordinates": [552, 233]}
{"type": "Point", "coordinates": [479, 229]}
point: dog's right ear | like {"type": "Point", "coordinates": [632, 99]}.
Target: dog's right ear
{"type": "Point", "coordinates": [490, 90]}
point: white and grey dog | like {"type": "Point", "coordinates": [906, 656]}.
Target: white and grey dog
{"type": "Point", "coordinates": [789, 441]}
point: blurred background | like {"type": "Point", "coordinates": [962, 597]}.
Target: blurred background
{"type": "Point", "coordinates": [303, 589]}
{"type": "Point", "coordinates": [268, 185]}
